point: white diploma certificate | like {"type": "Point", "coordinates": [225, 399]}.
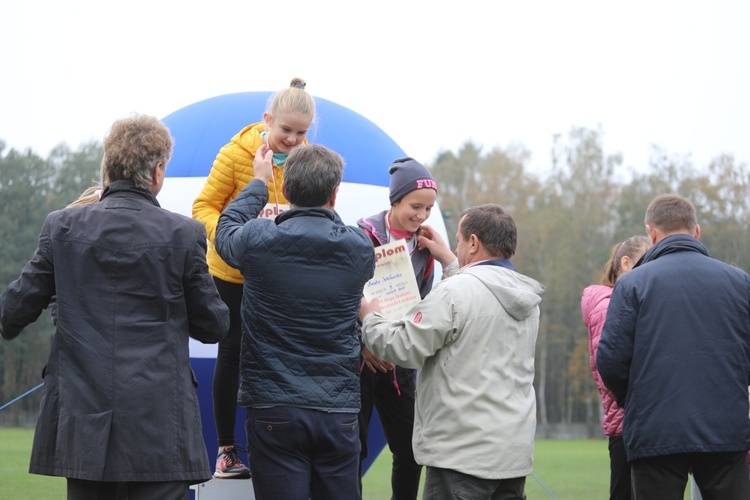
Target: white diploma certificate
{"type": "Point", "coordinates": [394, 284]}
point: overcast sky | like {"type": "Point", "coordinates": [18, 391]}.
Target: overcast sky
{"type": "Point", "coordinates": [431, 74]}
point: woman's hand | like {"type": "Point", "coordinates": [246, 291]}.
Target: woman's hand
{"type": "Point", "coordinates": [374, 363]}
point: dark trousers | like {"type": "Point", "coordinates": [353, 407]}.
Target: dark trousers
{"type": "Point", "coordinates": [720, 476]}
{"type": "Point", "coordinates": [301, 454]}
{"type": "Point", "coordinates": [619, 470]}
{"type": "Point", "coordinates": [227, 369]}
{"type": "Point", "coordinates": [396, 413]}
{"type": "Point", "coordinates": [446, 484]}
{"type": "Point", "coordinates": [79, 489]}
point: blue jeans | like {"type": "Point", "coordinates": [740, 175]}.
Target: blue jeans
{"type": "Point", "coordinates": [301, 454]}
{"type": "Point", "coordinates": [446, 484]}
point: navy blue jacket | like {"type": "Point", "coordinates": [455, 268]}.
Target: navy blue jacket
{"type": "Point", "coordinates": [304, 276]}
{"type": "Point", "coordinates": [675, 352]}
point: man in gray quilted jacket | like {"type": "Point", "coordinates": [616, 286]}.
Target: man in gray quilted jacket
{"type": "Point", "coordinates": [304, 275]}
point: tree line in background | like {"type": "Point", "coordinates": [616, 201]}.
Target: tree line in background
{"type": "Point", "coordinates": [568, 220]}
{"type": "Point", "coordinates": [30, 188]}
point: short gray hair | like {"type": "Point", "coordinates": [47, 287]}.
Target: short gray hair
{"type": "Point", "coordinates": [311, 174]}
{"type": "Point", "coordinates": [493, 227]}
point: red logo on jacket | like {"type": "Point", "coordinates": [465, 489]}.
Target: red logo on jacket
{"type": "Point", "coordinates": [418, 317]}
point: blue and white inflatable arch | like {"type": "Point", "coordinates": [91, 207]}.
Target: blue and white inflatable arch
{"type": "Point", "coordinates": [202, 128]}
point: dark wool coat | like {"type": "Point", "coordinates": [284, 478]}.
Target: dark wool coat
{"type": "Point", "coordinates": [131, 284]}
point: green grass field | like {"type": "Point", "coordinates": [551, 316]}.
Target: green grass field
{"type": "Point", "coordinates": [15, 480]}
{"type": "Point", "coordinates": [563, 469]}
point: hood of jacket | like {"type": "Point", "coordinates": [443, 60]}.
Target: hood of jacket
{"type": "Point", "coordinates": [518, 294]}
{"type": "Point", "coordinates": [249, 137]}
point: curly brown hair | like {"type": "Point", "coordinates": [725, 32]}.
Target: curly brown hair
{"type": "Point", "coordinates": [133, 148]}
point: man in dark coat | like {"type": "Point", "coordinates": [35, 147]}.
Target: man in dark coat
{"type": "Point", "coordinates": [304, 276]}
{"type": "Point", "coordinates": [675, 352]}
{"type": "Point", "coordinates": [119, 412]}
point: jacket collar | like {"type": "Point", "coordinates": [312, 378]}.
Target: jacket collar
{"type": "Point", "coordinates": [127, 186]}
{"type": "Point", "coordinates": [672, 244]}
{"type": "Point", "coordinates": [497, 262]}
{"type": "Point", "coordinates": [305, 212]}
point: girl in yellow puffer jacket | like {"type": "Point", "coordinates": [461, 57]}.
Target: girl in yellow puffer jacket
{"type": "Point", "coordinates": [284, 127]}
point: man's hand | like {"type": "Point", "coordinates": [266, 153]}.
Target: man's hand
{"type": "Point", "coordinates": [374, 363]}
{"type": "Point", "coordinates": [263, 163]}
{"type": "Point", "coordinates": [431, 240]}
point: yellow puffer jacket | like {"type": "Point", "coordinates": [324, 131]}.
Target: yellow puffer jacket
{"type": "Point", "coordinates": [231, 171]}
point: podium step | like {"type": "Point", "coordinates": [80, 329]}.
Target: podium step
{"type": "Point", "coordinates": [221, 489]}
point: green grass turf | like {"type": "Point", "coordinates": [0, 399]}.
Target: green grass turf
{"type": "Point", "coordinates": [563, 469]}
{"type": "Point", "coordinates": [15, 480]}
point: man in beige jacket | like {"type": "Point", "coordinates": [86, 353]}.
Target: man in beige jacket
{"type": "Point", "coordinates": [473, 340]}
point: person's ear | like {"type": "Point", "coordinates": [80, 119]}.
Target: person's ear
{"type": "Point", "coordinates": [473, 244]}
{"type": "Point", "coordinates": [697, 232]}
{"type": "Point", "coordinates": [332, 201]}
{"type": "Point", "coordinates": [267, 118]}
{"type": "Point", "coordinates": [157, 178]}
{"type": "Point", "coordinates": [625, 264]}
{"type": "Point", "coordinates": [158, 174]}
{"type": "Point", "coordinates": [651, 233]}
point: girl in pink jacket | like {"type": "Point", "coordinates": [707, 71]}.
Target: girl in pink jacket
{"type": "Point", "coordinates": [594, 305]}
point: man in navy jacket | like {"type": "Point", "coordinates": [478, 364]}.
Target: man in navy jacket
{"type": "Point", "coordinates": [675, 352]}
{"type": "Point", "coordinates": [304, 276]}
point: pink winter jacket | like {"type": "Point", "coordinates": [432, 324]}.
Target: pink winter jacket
{"type": "Point", "coordinates": [594, 305]}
